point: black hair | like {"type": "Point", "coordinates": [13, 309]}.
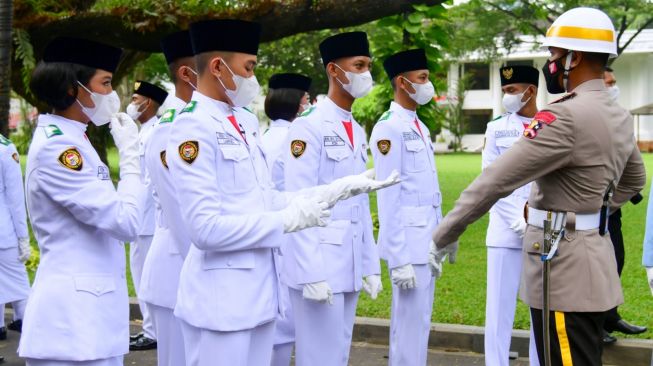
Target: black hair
{"type": "Point", "coordinates": [283, 103]}
{"type": "Point", "coordinates": [172, 69]}
{"type": "Point", "coordinates": [202, 59]}
{"type": "Point", "coordinates": [51, 82]}
{"type": "Point", "coordinates": [598, 59]}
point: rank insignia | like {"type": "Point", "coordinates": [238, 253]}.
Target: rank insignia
{"type": "Point", "coordinates": [188, 151]}
{"type": "Point", "coordinates": [190, 106]}
{"type": "Point", "coordinates": [15, 156]}
{"type": "Point", "coordinates": [385, 116]}
{"type": "Point", "coordinates": [307, 112]}
{"type": "Point", "coordinates": [168, 116]}
{"type": "Point", "coordinates": [540, 119]}
{"type": "Point", "coordinates": [71, 159]}
{"type": "Point", "coordinates": [384, 146]}
{"type": "Point", "coordinates": [297, 148]}
{"type": "Point", "coordinates": [163, 159]}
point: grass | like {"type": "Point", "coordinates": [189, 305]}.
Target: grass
{"type": "Point", "coordinates": [460, 293]}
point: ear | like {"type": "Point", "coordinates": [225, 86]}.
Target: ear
{"type": "Point", "coordinates": [182, 73]}
{"type": "Point", "coordinates": [215, 66]}
{"type": "Point", "coordinates": [576, 58]}
{"type": "Point", "coordinates": [332, 70]}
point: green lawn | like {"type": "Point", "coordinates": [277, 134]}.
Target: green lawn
{"type": "Point", "coordinates": [460, 293]}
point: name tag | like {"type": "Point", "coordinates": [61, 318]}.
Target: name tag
{"type": "Point", "coordinates": [506, 133]}
{"type": "Point", "coordinates": [103, 172]}
{"type": "Point", "coordinates": [411, 136]}
{"type": "Point", "coordinates": [333, 141]}
{"type": "Point", "coordinates": [226, 139]}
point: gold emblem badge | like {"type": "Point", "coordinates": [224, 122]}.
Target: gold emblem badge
{"type": "Point", "coordinates": [137, 85]}
{"type": "Point", "coordinates": [188, 151]}
{"type": "Point", "coordinates": [15, 156]}
{"type": "Point", "coordinates": [163, 159]}
{"type": "Point", "coordinates": [71, 159]}
{"type": "Point", "coordinates": [297, 148]}
{"type": "Point", "coordinates": [507, 73]}
{"type": "Point", "coordinates": [384, 146]}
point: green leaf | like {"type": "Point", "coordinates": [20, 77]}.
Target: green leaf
{"type": "Point", "coordinates": [412, 28]}
{"type": "Point", "coordinates": [415, 18]}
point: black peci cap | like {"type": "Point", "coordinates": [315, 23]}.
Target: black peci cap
{"type": "Point", "coordinates": [290, 81]}
{"type": "Point", "coordinates": [150, 91]}
{"type": "Point", "coordinates": [344, 45]}
{"type": "Point", "coordinates": [229, 35]}
{"type": "Point", "coordinates": [405, 61]}
{"type": "Point", "coordinates": [83, 52]}
{"type": "Point", "coordinates": [519, 74]}
{"type": "Point", "coordinates": [177, 45]}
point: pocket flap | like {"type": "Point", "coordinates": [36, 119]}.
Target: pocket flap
{"type": "Point", "coordinates": [415, 216]}
{"type": "Point", "coordinates": [228, 260]}
{"type": "Point", "coordinates": [337, 154]}
{"type": "Point", "coordinates": [97, 285]}
{"type": "Point", "coordinates": [414, 145]}
{"type": "Point", "coordinates": [334, 233]}
{"type": "Point", "coordinates": [506, 142]}
{"type": "Point", "coordinates": [236, 153]}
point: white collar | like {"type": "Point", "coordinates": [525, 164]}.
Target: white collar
{"type": "Point", "coordinates": [280, 123]}
{"type": "Point", "coordinates": [341, 114]}
{"type": "Point", "coordinates": [64, 123]}
{"type": "Point", "coordinates": [150, 122]}
{"type": "Point", "coordinates": [177, 103]}
{"type": "Point", "coordinates": [407, 113]}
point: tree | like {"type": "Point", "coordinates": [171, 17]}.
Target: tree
{"type": "Point", "coordinates": [452, 112]}
{"type": "Point", "coordinates": [5, 63]}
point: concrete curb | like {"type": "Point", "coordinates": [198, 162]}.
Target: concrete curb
{"type": "Point", "coordinates": [454, 337]}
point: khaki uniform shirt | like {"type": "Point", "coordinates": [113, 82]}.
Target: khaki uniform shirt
{"type": "Point", "coordinates": [572, 150]}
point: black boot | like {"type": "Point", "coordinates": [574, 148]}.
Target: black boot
{"type": "Point", "coordinates": [627, 328]}
{"type": "Point", "coordinates": [16, 325]}
{"type": "Point", "coordinates": [3, 333]}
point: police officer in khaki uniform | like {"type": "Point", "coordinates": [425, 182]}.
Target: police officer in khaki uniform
{"type": "Point", "coordinates": [573, 150]}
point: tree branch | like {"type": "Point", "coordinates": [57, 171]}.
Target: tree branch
{"type": "Point", "coordinates": [512, 14]}
{"type": "Point", "coordinates": [620, 49]}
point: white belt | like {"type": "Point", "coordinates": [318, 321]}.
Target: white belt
{"type": "Point", "coordinates": [583, 221]}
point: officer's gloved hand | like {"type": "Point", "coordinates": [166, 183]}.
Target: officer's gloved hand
{"type": "Point", "coordinates": [24, 250]}
{"type": "Point", "coordinates": [404, 277]}
{"type": "Point", "coordinates": [125, 135]}
{"type": "Point", "coordinates": [649, 276]}
{"type": "Point", "coordinates": [318, 291]}
{"type": "Point", "coordinates": [519, 227]}
{"type": "Point", "coordinates": [437, 256]}
{"type": "Point", "coordinates": [303, 212]}
{"type": "Point", "coordinates": [372, 285]}
{"type": "Point", "coordinates": [352, 185]}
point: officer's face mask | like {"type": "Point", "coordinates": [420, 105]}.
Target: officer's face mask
{"type": "Point", "coordinates": [189, 83]}
{"type": "Point", "coordinates": [513, 102]}
{"type": "Point", "coordinates": [614, 92]}
{"type": "Point", "coordinates": [359, 84]}
{"type": "Point", "coordinates": [246, 89]}
{"type": "Point", "coordinates": [552, 70]}
{"type": "Point", "coordinates": [133, 109]}
{"type": "Point", "coordinates": [106, 105]}
{"type": "Point", "coordinates": [424, 93]}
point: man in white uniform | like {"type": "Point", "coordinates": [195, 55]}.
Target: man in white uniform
{"type": "Point", "coordinates": [410, 211]}
{"type": "Point", "coordinates": [326, 268]}
{"type": "Point", "coordinates": [14, 238]}
{"type": "Point", "coordinates": [160, 279]}
{"type": "Point", "coordinates": [146, 100]}
{"type": "Point", "coordinates": [287, 95]}
{"type": "Point", "coordinates": [507, 223]}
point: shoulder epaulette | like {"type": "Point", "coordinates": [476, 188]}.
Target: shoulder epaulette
{"type": "Point", "coordinates": [52, 130]}
{"type": "Point", "coordinates": [307, 112]}
{"type": "Point", "coordinates": [385, 116]}
{"type": "Point", "coordinates": [189, 107]}
{"type": "Point", "coordinates": [564, 98]}
{"type": "Point", "coordinates": [168, 116]}
{"type": "Point", "coordinates": [248, 110]}
{"type": "Point", "coordinates": [499, 117]}
{"type": "Point", "coordinates": [4, 141]}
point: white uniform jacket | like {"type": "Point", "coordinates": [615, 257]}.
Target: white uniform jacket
{"type": "Point", "coordinates": [149, 212]}
{"type": "Point", "coordinates": [343, 252]}
{"type": "Point", "coordinates": [499, 137]}
{"type": "Point", "coordinates": [78, 309]}
{"type": "Point", "coordinates": [274, 141]}
{"type": "Point", "coordinates": [228, 280]}
{"type": "Point", "coordinates": [160, 279]}
{"type": "Point", "coordinates": [13, 221]}
{"type": "Point", "coordinates": [409, 211]}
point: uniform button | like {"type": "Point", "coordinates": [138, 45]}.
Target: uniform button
{"type": "Point", "coordinates": [536, 246]}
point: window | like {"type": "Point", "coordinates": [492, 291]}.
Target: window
{"type": "Point", "coordinates": [480, 79]}
{"type": "Point", "coordinates": [477, 119]}
{"type": "Point", "coordinates": [520, 63]}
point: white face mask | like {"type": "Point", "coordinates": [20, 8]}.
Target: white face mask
{"type": "Point", "coordinates": [424, 93]}
{"type": "Point", "coordinates": [359, 84]}
{"type": "Point", "coordinates": [133, 110]}
{"type": "Point", "coordinates": [614, 92]}
{"type": "Point", "coordinates": [106, 105]}
{"type": "Point", "coordinates": [246, 89]}
{"type": "Point", "coordinates": [191, 84]}
{"type": "Point", "coordinates": [513, 102]}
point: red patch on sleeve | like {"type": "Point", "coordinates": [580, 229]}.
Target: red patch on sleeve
{"type": "Point", "coordinates": [546, 117]}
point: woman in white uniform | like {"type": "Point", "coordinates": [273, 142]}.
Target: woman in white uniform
{"type": "Point", "coordinates": [287, 97]}
{"type": "Point", "coordinates": [78, 311]}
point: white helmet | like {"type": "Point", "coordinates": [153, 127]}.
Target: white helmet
{"type": "Point", "coordinates": [583, 29]}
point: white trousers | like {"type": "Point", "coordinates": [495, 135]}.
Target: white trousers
{"type": "Point", "coordinates": [137, 253]}
{"type": "Point", "coordinates": [322, 331]}
{"type": "Point", "coordinates": [251, 347]}
{"type": "Point", "coordinates": [410, 321]}
{"type": "Point", "coordinates": [503, 278]}
{"type": "Point", "coordinates": [113, 361]}
{"type": "Point", "coordinates": [281, 354]}
{"type": "Point", "coordinates": [170, 341]}
{"type": "Point", "coordinates": [14, 283]}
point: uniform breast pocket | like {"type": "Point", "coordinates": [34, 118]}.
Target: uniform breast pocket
{"type": "Point", "coordinates": [339, 159]}
{"type": "Point", "coordinates": [334, 233]}
{"type": "Point", "coordinates": [230, 260]}
{"type": "Point", "coordinates": [415, 159]}
{"type": "Point", "coordinates": [505, 143]}
{"type": "Point", "coordinates": [97, 285]}
{"type": "Point", "coordinates": [236, 173]}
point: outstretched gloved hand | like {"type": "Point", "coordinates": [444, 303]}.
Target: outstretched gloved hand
{"type": "Point", "coordinates": [352, 185]}
{"type": "Point", "coordinates": [303, 212]}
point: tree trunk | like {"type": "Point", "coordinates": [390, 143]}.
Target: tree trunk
{"type": "Point", "coordinates": [5, 64]}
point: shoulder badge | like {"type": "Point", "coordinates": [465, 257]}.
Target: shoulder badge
{"type": "Point", "coordinates": [163, 159]}
{"type": "Point", "coordinates": [15, 157]}
{"type": "Point", "coordinates": [384, 146]}
{"type": "Point", "coordinates": [540, 119]}
{"type": "Point", "coordinates": [307, 112]}
{"type": "Point", "coordinates": [52, 130]}
{"type": "Point", "coordinates": [498, 117]}
{"type": "Point", "coordinates": [71, 159]}
{"type": "Point", "coordinates": [189, 107]}
{"type": "Point", "coordinates": [564, 98]}
{"type": "Point", "coordinates": [297, 148]}
{"type": "Point", "coordinates": [168, 116]}
{"type": "Point", "coordinates": [4, 141]}
{"type": "Point", "coordinates": [385, 116]}
{"type": "Point", "coordinates": [189, 150]}
{"type": "Point", "coordinates": [248, 110]}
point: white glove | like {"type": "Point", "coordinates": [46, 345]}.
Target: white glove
{"type": "Point", "coordinates": [303, 212]}
{"type": "Point", "coordinates": [372, 285]}
{"type": "Point", "coordinates": [24, 250]}
{"type": "Point", "coordinates": [125, 136]}
{"type": "Point", "coordinates": [434, 265]}
{"type": "Point", "coordinates": [437, 257]}
{"type": "Point", "coordinates": [318, 291]}
{"type": "Point", "coordinates": [649, 276]}
{"type": "Point", "coordinates": [352, 185]}
{"type": "Point", "coordinates": [404, 277]}
{"type": "Point", "coordinates": [519, 227]}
